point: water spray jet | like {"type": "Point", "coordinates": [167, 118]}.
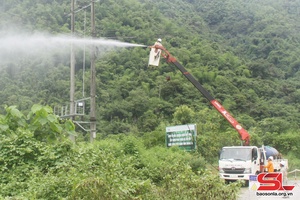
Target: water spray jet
{"type": "Point", "coordinates": [14, 45]}
{"type": "Point", "coordinates": [36, 41]}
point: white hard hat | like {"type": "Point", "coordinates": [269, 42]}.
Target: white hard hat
{"type": "Point", "coordinates": [271, 157]}
{"type": "Point", "coordinates": [282, 163]}
{"type": "Point", "coordinates": [159, 40]}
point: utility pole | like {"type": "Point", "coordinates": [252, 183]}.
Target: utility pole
{"type": "Point", "coordinates": [72, 69]}
{"type": "Point", "coordinates": [93, 78]}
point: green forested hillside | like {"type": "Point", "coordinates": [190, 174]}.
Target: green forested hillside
{"type": "Point", "coordinates": [244, 52]}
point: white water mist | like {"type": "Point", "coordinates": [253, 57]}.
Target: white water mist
{"type": "Point", "coordinates": [15, 45]}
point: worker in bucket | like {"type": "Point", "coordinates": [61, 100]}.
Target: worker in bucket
{"type": "Point", "coordinates": [157, 51]}
{"type": "Point", "coordinates": [158, 42]}
{"type": "Point", "coordinates": [283, 170]}
{"type": "Point", "coordinates": [270, 166]}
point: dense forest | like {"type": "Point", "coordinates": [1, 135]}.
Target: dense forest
{"type": "Point", "coordinates": [244, 52]}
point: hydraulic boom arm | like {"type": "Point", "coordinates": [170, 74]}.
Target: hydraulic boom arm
{"type": "Point", "coordinates": [244, 135]}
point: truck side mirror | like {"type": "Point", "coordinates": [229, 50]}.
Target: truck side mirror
{"type": "Point", "coordinates": [220, 151]}
{"type": "Point", "coordinates": [254, 154]}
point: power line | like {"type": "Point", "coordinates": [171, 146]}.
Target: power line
{"type": "Point", "coordinates": [82, 8]}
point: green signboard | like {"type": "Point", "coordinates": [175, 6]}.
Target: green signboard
{"type": "Point", "coordinates": [183, 136]}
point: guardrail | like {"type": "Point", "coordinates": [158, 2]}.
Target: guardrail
{"type": "Point", "coordinates": [295, 176]}
{"type": "Point", "coordinates": [295, 172]}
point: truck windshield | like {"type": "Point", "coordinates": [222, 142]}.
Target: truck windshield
{"type": "Point", "coordinates": [236, 153]}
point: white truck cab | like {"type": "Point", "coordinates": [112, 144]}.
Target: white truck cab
{"type": "Point", "coordinates": [239, 162]}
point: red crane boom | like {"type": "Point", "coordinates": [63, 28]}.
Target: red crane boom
{"type": "Point", "coordinates": [244, 135]}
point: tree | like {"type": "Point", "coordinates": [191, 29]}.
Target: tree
{"type": "Point", "coordinates": [183, 115]}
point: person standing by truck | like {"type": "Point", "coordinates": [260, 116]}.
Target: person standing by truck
{"type": "Point", "coordinates": [283, 170]}
{"type": "Point", "coordinates": [270, 166]}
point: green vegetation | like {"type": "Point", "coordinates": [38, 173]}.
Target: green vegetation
{"type": "Point", "coordinates": [244, 52]}
{"type": "Point", "coordinates": [119, 167]}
